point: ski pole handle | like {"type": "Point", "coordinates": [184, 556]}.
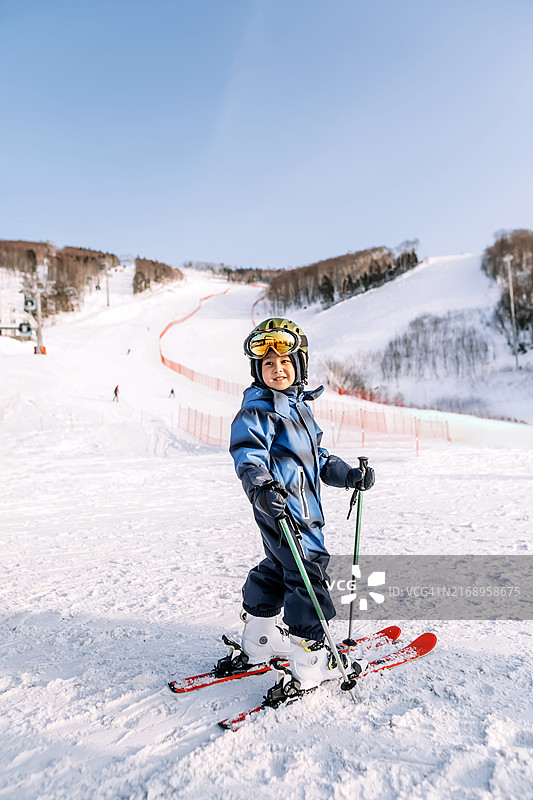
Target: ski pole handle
{"type": "Point", "coordinates": [363, 464]}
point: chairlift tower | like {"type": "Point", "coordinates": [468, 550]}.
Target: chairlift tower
{"type": "Point", "coordinates": [104, 268]}
{"type": "Point", "coordinates": [32, 304]}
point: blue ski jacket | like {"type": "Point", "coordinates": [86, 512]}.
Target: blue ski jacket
{"type": "Point", "coordinates": [274, 436]}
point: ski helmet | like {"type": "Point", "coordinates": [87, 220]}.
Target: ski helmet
{"type": "Point", "coordinates": [293, 343]}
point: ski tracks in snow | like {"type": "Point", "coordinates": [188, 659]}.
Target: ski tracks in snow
{"type": "Point", "coordinates": [124, 548]}
{"type": "Point", "coordinates": [132, 584]}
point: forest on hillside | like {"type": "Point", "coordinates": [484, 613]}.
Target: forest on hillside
{"type": "Point", "coordinates": [459, 345]}
{"type": "Point", "coordinates": [235, 274]}
{"type": "Point", "coordinates": [63, 275]}
{"type": "Point", "coordinates": [325, 282]}
{"type": "Point", "coordinates": [334, 279]}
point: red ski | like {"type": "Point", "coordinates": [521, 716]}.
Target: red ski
{"type": "Point", "coordinates": [417, 648]}
{"type": "Point", "coordinates": [386, 636]}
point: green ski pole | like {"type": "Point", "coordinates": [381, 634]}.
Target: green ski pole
{"type": "Point", "coordinates": [347, 684]}
{"type": "Point", "coordinates": [357, 495]}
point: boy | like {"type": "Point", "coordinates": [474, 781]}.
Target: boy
{"type": "Point", "coordinates": [275, 444]}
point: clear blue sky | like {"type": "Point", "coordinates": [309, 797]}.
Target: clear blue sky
{"type": "Point", "coordinates": [265, 132]}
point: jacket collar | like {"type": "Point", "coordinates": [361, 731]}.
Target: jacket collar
{"type": "Point", "coordinates": [284, 400]}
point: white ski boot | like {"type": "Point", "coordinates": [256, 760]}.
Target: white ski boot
{"type": "Point", "coordinates": [312, 663]}
{"type": "Point", "coordinates": [263, 639]}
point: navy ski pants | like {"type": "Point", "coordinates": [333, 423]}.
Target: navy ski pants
{"type": "Point", "coordinates": [276, 583]}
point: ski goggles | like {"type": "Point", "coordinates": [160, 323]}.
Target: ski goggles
{"type": "Point", "coordinates": [282, 340]}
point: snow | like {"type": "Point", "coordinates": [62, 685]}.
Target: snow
{"type": "Point", "coordinates": [360, 329]}
{"type": "Point", "coordinates": [126, 542]}
{"type": "Point", "coordinates": [435, 286]}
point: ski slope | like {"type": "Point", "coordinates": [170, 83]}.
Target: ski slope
{"type": "Point", "coordinates": [126, 542]}
{"type": "Point", "coordinates": [361, 328]}
{"type": "Point", "coordinates": [435, 286]}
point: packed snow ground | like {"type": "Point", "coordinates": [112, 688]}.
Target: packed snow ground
{"type": "Point", "coordinates": [125, 544]}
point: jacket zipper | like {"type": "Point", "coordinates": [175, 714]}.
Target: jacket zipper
{"type": "Point", "coordinates": [301, 486]}
{"type": "Point", "coordinates": [313, 443]}
{"type": "Point", "coordinates": [315, 453]}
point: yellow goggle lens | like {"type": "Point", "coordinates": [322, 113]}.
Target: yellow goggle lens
{"type": "Point", "coordinates": [283, 342]}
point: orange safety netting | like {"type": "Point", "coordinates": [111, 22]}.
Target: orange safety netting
{"type": "Point", "coordinates": [381, 419]}
{"type": "Point", "coordinates": [218, 385]}
{"type": "Point", "coordinates": [209, 428]}
{"type": "Point", "coordinates": [385, 418]}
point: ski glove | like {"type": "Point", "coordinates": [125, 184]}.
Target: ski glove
{"type": "Point", "coordinates": [270, 500]}
{"type": "Point", "coordinates": [355, 480]}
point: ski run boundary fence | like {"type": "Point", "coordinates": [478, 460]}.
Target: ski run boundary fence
{"type": "Point", "coordinates": [355, 420]}
{"type": "Point", "coordinates": [342, 427]}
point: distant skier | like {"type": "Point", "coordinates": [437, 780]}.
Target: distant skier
{"type": "Point", "coordinates": [172, 395]}
{"type": "Point", "coordinates": [115, 395]}
{"type": "Point", "coordinates": [275, 444]}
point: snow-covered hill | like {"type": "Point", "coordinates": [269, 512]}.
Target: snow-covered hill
{"type": "Point", "coordinates": [454, 290]}
{"type": "Point", "coordinates": [125, 543]}
{"type": "Point", "coordinates": [435, 286]}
